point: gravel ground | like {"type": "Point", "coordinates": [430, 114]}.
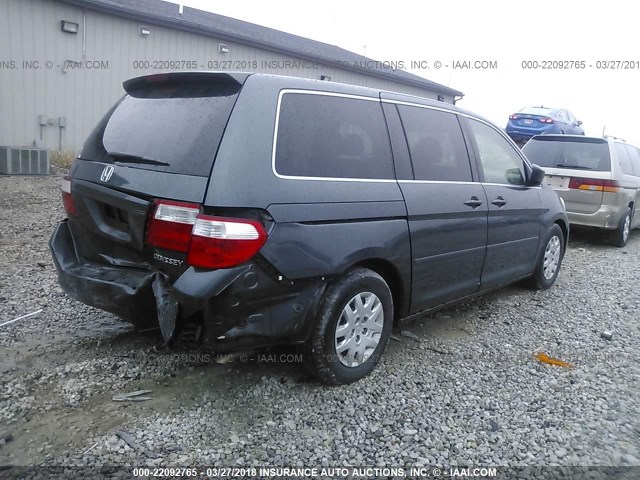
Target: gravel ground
{"type": "Point", "coordinates": [467, 391]}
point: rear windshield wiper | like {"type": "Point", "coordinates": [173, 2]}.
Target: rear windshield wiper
{"type": "Point", "coordinates": [566, 165]}
{"type": "Point", "coordinates": [127, 158]}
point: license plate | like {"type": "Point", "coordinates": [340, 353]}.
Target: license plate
{"type": "Point", "coordinates": [528, 121]}
{"type": "Point", "coordinates": [556, 181]}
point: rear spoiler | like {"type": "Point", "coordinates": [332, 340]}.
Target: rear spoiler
{"type": "Point", "coordinates": [568, 138]}
{"type": "Point", "coordinates": [225, 78]}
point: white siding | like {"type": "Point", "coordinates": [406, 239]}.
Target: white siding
{"type": "Point", "coordinates": [30, 31]}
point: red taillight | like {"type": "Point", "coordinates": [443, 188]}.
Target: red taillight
{"type": "Point", "coordinates": [170, 225]}
{"type": "Point", "coordinates": [67, 199]}
{"type": "Point", "coordinates": [219, 242]}
{"type": "Point", "coordinates": [513, 117]}
{"type": "Point", "coordinates": [594, 184]}
{"type": "Point", "coordinates": [208, 241]}
{"type": "Point", "coordinates": [546, 120]}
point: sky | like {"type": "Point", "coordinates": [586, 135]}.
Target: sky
{"type": "Point", "coordinates": [492, 30]}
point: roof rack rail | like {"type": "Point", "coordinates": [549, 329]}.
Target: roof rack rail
{"type": "Point", "coordinates": [614, 137]}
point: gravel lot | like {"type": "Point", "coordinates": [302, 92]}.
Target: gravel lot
{"type": "Point", "coordinates": [469, 392]}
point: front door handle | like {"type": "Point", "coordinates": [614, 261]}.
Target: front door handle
{"type": "Point", "coordinates": [473, 202]}
{"type": "Point", "coordinates": [499, 202]}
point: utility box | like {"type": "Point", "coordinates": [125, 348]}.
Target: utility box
{"type": "Point", "coordinates": [23, 161]}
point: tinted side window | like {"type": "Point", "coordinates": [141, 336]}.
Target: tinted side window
{"type": "Point", "coordinates": [327, 136]}
{"type": "Point", "coordinates": [436, 144]}
{"type": "Point", "coordinates": [500, 162]}
{"type": "Point", "coordinates": [635, 159]}
{"type": "Point", "coordinates": [623, 158]}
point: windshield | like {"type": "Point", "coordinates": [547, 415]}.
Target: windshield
{"type": "Point", "coordinates": [537, 111]}
{"type": "Point", "coordinates": [174, 128]}
{"type": "Point", "coordinates": [583, 154]}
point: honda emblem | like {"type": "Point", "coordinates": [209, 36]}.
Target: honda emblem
{"type": "Point", "coordinates": [106, 173]}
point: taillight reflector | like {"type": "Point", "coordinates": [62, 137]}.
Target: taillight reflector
{"type": "Point", "coordinates": [546, 120]}
{"type": "Point", "coordinates": [513, 117]}
{"type": "Point", "coordinates": [220, 242]}
{"type": "Point", "coordinates": [67, 199]}
{"type": "Point", "coordinates": [170, 225]}
{"type": "Point", "coordinates": [208, 241]}
{"type": "Point", "coordinates": [594, 184]}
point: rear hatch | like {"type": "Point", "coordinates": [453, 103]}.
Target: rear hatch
{"type": "Point", "coordinates": [529, 120]}
{"type": "Point", "coordinates": [158, 142]}
{"type": "Point", "coordinates": [577, 167]}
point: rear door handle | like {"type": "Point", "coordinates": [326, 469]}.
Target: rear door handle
{"type": "Point", "coordinates": [473, 202]}
{"type": "Point", "coordinates": [499, 202]}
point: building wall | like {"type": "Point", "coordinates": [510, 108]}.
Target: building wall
{"type": "Point", "coordinates": [77, 77]}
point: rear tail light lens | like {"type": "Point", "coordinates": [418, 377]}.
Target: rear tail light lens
{"type": "Point", "coordinates": [67, 199]}
{"type": "Point", "coordinates": [546, 120]}
{"type": "Point", "coordinates": [594, 184]}
{"type": "Point", "coordinates": [170, 225]}
{"type": "Point", "coordinates": [208, 241]}
{"type": "Point", "coordinates": [513, 117]}
{"type": "Point", "coordinates": [219, 242]}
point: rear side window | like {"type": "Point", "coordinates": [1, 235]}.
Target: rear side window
{"type": "Point", "coordinates": [330, 136]}
{"type": "Point", "coordinates": [174, 128]}
{"type": "Point", "coordinates": [436, 144]}
{"type": "Point", "coordinates": [623, 159]}
{"type": "Point", "coordinates": [635, 159]}
{"type": "Point", "coordinates": [569, 152]}
{"type": "Point", "coordinates": [499, 160]}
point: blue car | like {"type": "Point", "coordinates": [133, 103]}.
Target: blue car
{"type": "Point", "coordinates": [532, 121]}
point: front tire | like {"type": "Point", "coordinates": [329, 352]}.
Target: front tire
{"type": "Point", "coordinates": [620, 236]}
{"type": "Point", "coordinates": [550, 259]}
{"type": "Point", "coordinates": [352, 328]}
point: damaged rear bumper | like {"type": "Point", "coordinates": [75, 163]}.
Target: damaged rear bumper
{"type": "Point", "coordinates": [236, 307]}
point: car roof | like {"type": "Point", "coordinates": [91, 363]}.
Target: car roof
{"type": "Point", "coordinates": [289, 82]}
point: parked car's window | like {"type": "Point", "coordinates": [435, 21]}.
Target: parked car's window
{"type": "Point", "coordinates": [569, 152]}
{"type": "Point", "coordinates": [623, 158]}
{"type": "Point", "coordinates": [436, 145]}
{"type": "Point", "coordinates": [327, 136]}
{"type": "Point", "coordinates": [635, 159]}
{"type": "Point", "coordinates": [176, 124]}
{"type": "Point", "coordinates": [572, 117]}
{"type": "Point", "coordinates": [562, 116]}
{"type": "Point", "coordinates": [537, 111]}
{"type": "Point", "coordinates": [500, 161]}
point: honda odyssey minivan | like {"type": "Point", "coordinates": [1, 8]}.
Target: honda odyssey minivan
{"type": "Point", "coordinates": [598, 178]}
{"type": "Point", "coordinates": [251, 210]}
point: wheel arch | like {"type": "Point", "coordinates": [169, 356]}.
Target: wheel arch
{"type": "Point", "coordinates": [390, 273]}
{"type": "Point", "coordinates": [565, 231]}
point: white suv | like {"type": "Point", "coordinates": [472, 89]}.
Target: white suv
{"type": "Point", "coordinates": [598, 179]}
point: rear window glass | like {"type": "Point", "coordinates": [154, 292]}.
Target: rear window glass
{"type": "Point", "coordinates": [174, 128]}
{"type": "Point", "coordinates": [582, 154]}
{"type": "Point", "coordinates": [328, 136]}
{"type": "Point", "coordinates": [537, 111]}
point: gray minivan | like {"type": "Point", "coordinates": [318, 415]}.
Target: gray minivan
{"type": "Point", "coordinates": [598, 178]}
{"type": "Point", "coordinates": [251, 210]}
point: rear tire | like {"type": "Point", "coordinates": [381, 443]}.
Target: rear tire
{"type": "Point", "coordinates": [352, 328]}
{"type": "Point", "coordinates": [620, 236]}
{"type": "Point", "coordinates": [550, 260]}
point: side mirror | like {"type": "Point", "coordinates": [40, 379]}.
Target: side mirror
{"type": "Point", "coordinates": [579, 122]}
{"type": "Point", "coordinates": [536, 176]}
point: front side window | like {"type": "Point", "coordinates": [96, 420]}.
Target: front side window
{"type": "Point", "coordinates": [436, 145]}
{"type": "Point", "coordinates": [331, 136]}
{"type": "Point", "coordinates": [500, 161]}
